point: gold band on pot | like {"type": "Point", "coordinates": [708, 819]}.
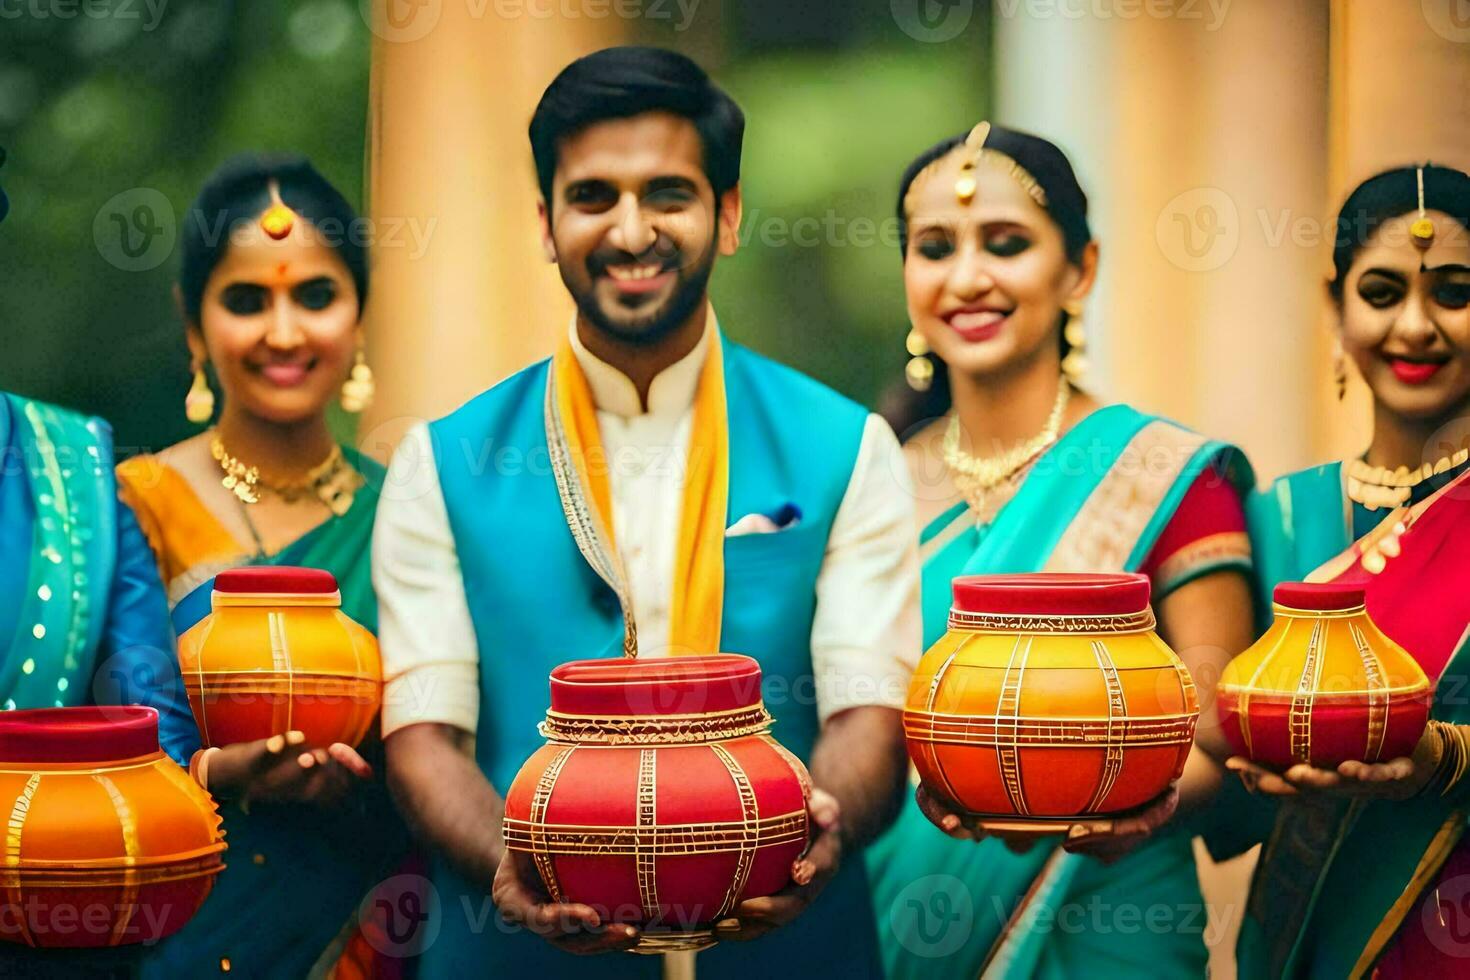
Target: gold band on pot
{"type": "Point", "coordinates": [667, 840]}
{"type": "Point", "coordinates": [1281, 610]}
{"type": "Point", "coordinates": [1139, 622]}
{"type": "Point", "coordinates": [709, 726]}
{"type": "Point", "coordinates": [1048, 733]}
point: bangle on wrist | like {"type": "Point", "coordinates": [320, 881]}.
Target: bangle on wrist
{"type": "Point", "coordinates": [199, 766]}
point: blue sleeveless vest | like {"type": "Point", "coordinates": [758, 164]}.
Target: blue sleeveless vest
{"type": "Point", "coordinates": [536, 603]}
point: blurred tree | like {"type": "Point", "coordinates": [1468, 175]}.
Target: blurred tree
{"type": "Point", "coordinates": [114, 113]}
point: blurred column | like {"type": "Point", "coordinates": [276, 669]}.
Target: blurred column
{"type": "Point", "coordinates": [1199, 131]}
{"type": "Point", "coordinates": [461, 295]}
{"type": "Point", "coordinates": [1200, 134]}
{"type": "Point", "coordinates": [1401, 95]}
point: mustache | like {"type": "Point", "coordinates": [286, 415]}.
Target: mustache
{"type": "Point", "coordinates": [663, 252]}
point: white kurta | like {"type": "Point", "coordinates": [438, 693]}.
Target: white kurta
{"type": "Point", "coordinates": [867, 632]}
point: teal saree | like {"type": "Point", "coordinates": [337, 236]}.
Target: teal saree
{"type": "Point", "coordinates": [1096, 501]}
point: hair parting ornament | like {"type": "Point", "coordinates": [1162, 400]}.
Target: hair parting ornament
{"type": "Point", "coordinates": [278, 219]}
{"type": "Point", "coordinates": [975, 152]}
{"type": "Point", "coordinates": [1422, 230]}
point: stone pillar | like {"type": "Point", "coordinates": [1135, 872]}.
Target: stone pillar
{"type": "Point", "coordinates": [462, 296]}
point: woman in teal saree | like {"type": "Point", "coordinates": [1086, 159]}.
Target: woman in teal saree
{"type": "Point", "coordinates": [1364, 870]}
{"type": "Point", "coordinates": [274, 307]}
{"type": "Point", "coordinates": [998, 255]}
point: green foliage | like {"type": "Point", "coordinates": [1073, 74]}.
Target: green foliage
{"type": "Point", "coordinates": [100, 112]}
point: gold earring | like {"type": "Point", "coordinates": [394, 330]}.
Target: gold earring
{"type": "Point", "coordinates": [199, 402]}
{"type": "Point", "coordinates": [1339, 371]}
{"type": "Point", "coordinates": [919, 372]}
{"type": "Point", "coordinates": [359, 388]}
{"type": "Point", "coordinates": [1074, 365]}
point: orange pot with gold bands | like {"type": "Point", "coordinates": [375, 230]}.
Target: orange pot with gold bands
{"type": "Point", "coordinates": [277, 653]}
{"type": "Point", "coordinates": [1051, 697]}
{"type": "Point", "coordinates": [107, 841]}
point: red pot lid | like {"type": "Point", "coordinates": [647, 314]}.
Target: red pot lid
{"type": "Point", "coordinates": [276, 579]}
{"type": "Point", "coordinates": [89, 734]}
{"type": "Point", "coordinates": [656, 686]}
{"type": "Point", "coordinates": [1318, 596]}
{"type": "Point", "coordinates": [1052, 594]}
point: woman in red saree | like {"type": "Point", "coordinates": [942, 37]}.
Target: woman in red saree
{"type": "Point", "coordinates": [1365, 870]}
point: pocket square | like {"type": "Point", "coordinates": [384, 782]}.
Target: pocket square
{"type": "Point", "coordinates": [786, 516]}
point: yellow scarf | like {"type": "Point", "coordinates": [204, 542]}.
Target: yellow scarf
{"type": "Point", "coordinates": [699, 563]}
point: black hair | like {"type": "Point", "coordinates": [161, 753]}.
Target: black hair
{"type": "Point", "coordinates": [238, 193]}
{"type": "Point", "coordinates": [621, 82]}
{"type": "Point", "coordinates": [1066, 205]}
{"type": "Point", "coordinates": [1388, 195]}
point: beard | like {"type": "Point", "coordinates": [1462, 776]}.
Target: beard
{"type": "Point", "coordinates": [647, 329]}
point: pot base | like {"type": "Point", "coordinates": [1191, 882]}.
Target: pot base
{"type": "Point", "coordinates": [656, 943]}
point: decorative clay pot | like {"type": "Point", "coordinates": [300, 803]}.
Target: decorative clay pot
{"type": "Point", "coordinates": [659, 798]}
{"type": "Point", "coordinates": [108, 841]}
{"type": "Point", "coordinates": [276, 654]}
{"type": "Point", "coordinates": [1323, 685]}
{"type": "Point", "coordinates": [1049, 699]}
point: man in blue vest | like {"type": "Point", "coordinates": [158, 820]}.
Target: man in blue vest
{"type": "Point", "coordinates": [652, 489]}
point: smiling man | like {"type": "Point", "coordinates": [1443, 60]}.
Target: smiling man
{"type": "Point", "coordinates": [699, 498]}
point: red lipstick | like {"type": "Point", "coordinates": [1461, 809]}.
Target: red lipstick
{"type": "Point", "coordinates": [1414, 372]}
{"type": "Point", "coordinates": [977, 324]}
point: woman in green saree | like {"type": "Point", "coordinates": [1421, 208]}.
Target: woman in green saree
{"type": "Point", "coordinates": [272, 301]}
{"type": "Point", "coordinates": [1019, 471]}
{"type": "Point", "coordinates": [1364, 870]}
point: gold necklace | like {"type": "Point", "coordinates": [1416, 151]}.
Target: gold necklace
{"type": "Point", "coordinates": [978, 478]}
{"type": "Point", "coordinates": [1378, 487]}
{"type": "Point", "coordinates": [333, 481]}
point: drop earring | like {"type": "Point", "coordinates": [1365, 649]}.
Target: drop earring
{"type": "Point", "coordinates": [1339, 371]}
{"type": "Point", "coordinates": [919, 372]}
{"type": "Point", "coordinates": [1074, 365]}
{"type": "Point", "coordinates": [199, 402]}
{"type": "Point", "coordinates": [359, 388]}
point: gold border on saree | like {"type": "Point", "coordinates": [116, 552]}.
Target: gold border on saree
{"type": "Point", "coordinates": [694, 728]}
{"type": "Point", "coordinates": [1139, 622]}
{"type": "Point", "coordinates": [667, 840]}
{"type": "Point", "coordinates": [1041, 732]}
